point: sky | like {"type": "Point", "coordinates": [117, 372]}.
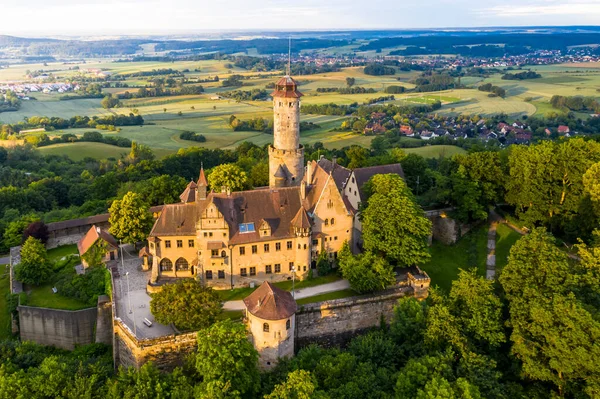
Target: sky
{"type": "Point", "coordinates": [111, 17]}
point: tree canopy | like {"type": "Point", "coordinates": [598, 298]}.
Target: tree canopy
{"type": "Point", "coordinates": [35, 267]}
{"type": "Point", "coordinates": [186, 304]}
{"type": "Point", "coordinates": [130, 219]}
{"type": "Point", "coordinates": [228, 176]}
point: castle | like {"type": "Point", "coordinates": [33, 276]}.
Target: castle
{"type": "Point", "coordinates": [236, 239]}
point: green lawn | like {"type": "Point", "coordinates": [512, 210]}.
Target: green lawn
{"type": "Point", "coordinates": [60, 252]}
{"type": "Point", "coordinates": [241, 293]}
{"type": "Point", "coordinates": [435, 151]}
{"type": "Point", "coordinates": [446, 260]}
{"type": "Point", "coordinates": [43, 297]}
{"type": "Point", "coordinates": [505, 238]}
{"type": "Point", "coordinates": [5, 327]}
{"type": "Point", "coordinates": [327, 297]}
{"type": "Point", "coordinates": [79, 151]}
{"type": "Point", "coordinates": [231, 315]}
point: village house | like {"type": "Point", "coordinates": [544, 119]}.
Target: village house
{"type": "Point", "coordinates": [236, 239]}
{"type": "Point", "coordinates": [97, 236]}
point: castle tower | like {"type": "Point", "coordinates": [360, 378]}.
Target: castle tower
{"type": "Point", "coordinates": [286, 155]}
{"type": "Point", "coordinates": [202, 185]}
{"type": "Point", "coordinates": [271, 320]}
{"type": "Point", "coordinates": [302, 227]}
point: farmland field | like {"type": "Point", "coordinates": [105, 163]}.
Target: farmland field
{"type": "Point", "coordinates": [167, 117]}
{"type": "Point", "coordinates": [79, 151]}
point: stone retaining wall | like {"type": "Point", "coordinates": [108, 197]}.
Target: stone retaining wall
{"type": "Point", "coordinates": [165, 352]}
{"type": "Point", "coordinates": [334, 323]}
{"type": "Point", "coordinates": [61, 328]}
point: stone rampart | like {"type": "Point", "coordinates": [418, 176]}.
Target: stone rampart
{"type": "Point", "coordinates": [334, 323]}
{"type": "Point", "coordinates": [61, 328]}
{"type": "Point", "coordinates": [165, 352]}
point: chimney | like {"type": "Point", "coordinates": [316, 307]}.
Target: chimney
{"type": "Point", "coordinates": [334, 160]}
{"type": "Point", "coordinates": [223, 189]}
{"type": "Point", "coordinates": [303, 190]}
{"type": "Point", "coordinates": [229, 191]}
{"type": "Point", "coordinates": [309, 173]}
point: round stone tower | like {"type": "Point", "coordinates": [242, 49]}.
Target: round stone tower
{"type": "Point", "coordinates": [270, 318]}
{"type": "Point", "coordinates": [286, 155]}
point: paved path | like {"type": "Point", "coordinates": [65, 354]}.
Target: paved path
{"type": "Point", "coordinates": [301, 293]}
{"type": "Point", "coordinates": [5, 260]}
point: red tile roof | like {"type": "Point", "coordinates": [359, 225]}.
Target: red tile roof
{"type": "Point", "coordinates": [90, 238]}
{"type": "Point", "coordinates": [189, 194]}
{"type": "Point", "coordinates": [270, 303]}
{"type": "Point", "coordinates": [202, 178]}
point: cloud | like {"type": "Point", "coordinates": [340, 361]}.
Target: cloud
{"type": "Point", "coordinates": [587, 9]}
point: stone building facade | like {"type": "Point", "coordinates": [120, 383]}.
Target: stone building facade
{"type": "Point", "coordinates": [236, 239]}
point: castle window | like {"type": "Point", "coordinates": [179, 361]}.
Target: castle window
{"type": "Point", "coordinates": [288, 324]}
{"type": "Point", "coordinates": [221, 273]}
{"type": "Point", "coordinates": [168, 244]}
{"type": "Point", "coordinates": [277, 246]}
{"type": "Point", "coordinates": [305, 268]}
{"type": "Point", "coordinates": [291, 265]}
{"type": "Point", "coordinates": [179, 243]}
{"type": "Point", "coordinates": [335, 238]}
{"type": "Point", "coordinates": [209, 274]}
{"type": "Point", "coordinates": [332, 221]}
{"type": "Point", "coordinates": [326, 222]}
{"type": "Point", "coordinates": [299, 246]}
{"type": "Point", "coordinates": [242, 250]}
{"type": "Point", "coordinates": [247, 228]}
{"type": "Point", "coordinates": [243, 272]}
{"type": "Point", "coordinates": [255, 249]}
{"type": "Point", "coordinates": [277, 268]}
{"type": "Point", "coordinates": [191, 243]}
{"type": "Point", "coordinates": [151, 245]}
{"type": "Point", "coordinates": [166, 265]}
{"type": "Point", "coordinates": [315, 242]}
{"type": "Point", "coordinates": [181, 264]}
{"type": "Point", "coordinates": [291, 105]}
{"type": "Point", "coordinates": [266, 247]}
{"type": "Point", "coordinates": [266, 327]}
{"type": "Point", "coordinates": [223, 254]}
{"type": "Point", "coordinates": [268, 269]}
{"type": "Point", "coordinates": [205, 234]}
{"type": "Point", "coordinates": [210, 234]}
{"type": "Point", "coordinates": [214, 252]}
{"type": "Point", "coordinates": [304, 246]}
{"type": "Point", "coordinates": [253, 271]}
{"type": "Point", "coordinates": [329, 204]}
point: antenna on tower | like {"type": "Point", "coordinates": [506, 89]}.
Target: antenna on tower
{"type": "Point", "coordinates": [289, 67]}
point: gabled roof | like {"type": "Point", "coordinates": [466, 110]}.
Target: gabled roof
{"type": "Point", "coordinates": [189, 194]}
{"type": "Point", "coordinates": [93, 235]}
{"type": "Point", "coordinates": [176, 219]}
{"type": "Point", "coordinates": [362, 175]}
{"type": "Point", "coordinates": [270, 303]}
{"type": "Point", "coordinates": [301, 220]}
{"type": "Point", "coordinates": [280, 172]}
{"type": "Point", "coordinates": [339, 173]}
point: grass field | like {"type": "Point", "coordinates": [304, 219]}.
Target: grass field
{"type": "Point", "coordinates": [43, 297]}
{"type": "Point", "coordinates": [241, 293]}
{"type": "Point", "coordinates": [446, 260]}
{"type": "Point", "coordinates": [58, 253]}
{"type": "Point", "coordinates": [210, 117]}
{"type": "Point", "coordinates": [435, 151]}
{"type": "Point", "coordinates": [5, 323]}
{"type": "Point", "coordinates": [79, 151]}
{"type": "Point", "coordinates": [505, 239]}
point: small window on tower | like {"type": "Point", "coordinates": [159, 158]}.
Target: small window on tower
{"type": "Point", "coordinates": [291, 105]}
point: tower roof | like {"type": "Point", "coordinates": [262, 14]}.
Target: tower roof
{"type": "Point", "coordinates": [270, 303]}
{"type": "Point", "coordinates": [301, 219]}
{"type": "Point", "coordinates": [202, 179]}
{"type": "Point", "coordinates": [286, 87]}
{"type": "Point", "coordinates": [280, 172]}
{"type": "Point", "coordinates": [189, 194]}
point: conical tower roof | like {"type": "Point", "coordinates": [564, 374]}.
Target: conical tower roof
{"type": "Point", "coordinates": [301, 219]}
{"type": "Point", "coordinates": [189, 194]}
{"type": "Point", "coordinates": [270, 303]}
{"type": "Point", "coordinates": [202, 179]}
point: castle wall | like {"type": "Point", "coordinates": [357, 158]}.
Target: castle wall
{"type": "Point", "coordinates": [165, 352]}
{"type": "Point", "coordinates": [292, 161]}
{"type": "Point", "coordinates": [334, 323]}
{"type": "Point", "coordinates": [61, 328]}
{"type": "Point", "coordinates": [286, 123]}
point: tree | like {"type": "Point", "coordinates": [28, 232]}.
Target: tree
{"type": "Point", "coordinates": [109, 102]}
{"type": "Point", "coordinates": [393, 223]}
{"type": "Point", "coordinates": [300, 384]}
{"type": "Point", "coordinates": [366, 272]}
{"type": "Point", "coordinates": [186, 304]}
{"type": "Point", "coordinates": [37, 229]}
{"type": "Point", "coordinates": [591, 182]}
{"type": "Point", "coordinates": [350, 81]}
{"type": "Point", "coordinates": [226, 357]}
{"type": "Point", "coordinates": [35, 267]}
{"type": "Point", "coordinates": [227, 176]}
{"type": "Point", "coordinates": [130, 219]}
{"type": "Point", "coordinates": [551, 325]}
{"type": "Point", "coordinates": [140, 152]}
{"type": "Point", "coordinates": [13, 235]}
